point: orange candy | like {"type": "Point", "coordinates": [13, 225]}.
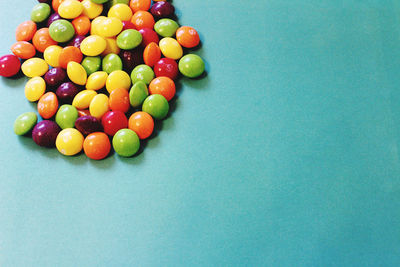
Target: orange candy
{"type": "Point", "coordinates": [187, 37]}
{"type": "Point", "coordinates": [55, 4]}
{"type": "Point", "coordinates": [143, 19]}
{"type": "Point", "coordinates": [41, 40]}
{"type": "Point", "coordinates": [142, 124]}
{"type": "Point", "coordinates": [23, 49]}
{"type": "Point", "coordinates": [25, 31]}
{"type": "Point", "coordinates": [151, 54]}
{"type": "Point", "coordinates": [70, 53]}
{"type": "Point", "coordinates": [119, 100]}
{"type": "Point", "coordinates": [137, 5]}
{"type": "Point", "coordinates": [97, 145]}
{"type": "Point", "coordinates": [163, 86]}
{"type": "Point", "coordinates": [81, 25]}
{"type": "Point", "coordinates": [48, 105]}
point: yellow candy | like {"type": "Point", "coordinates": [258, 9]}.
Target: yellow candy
{"type": "Point", "coordinates": [34, 67]}
{"type": "Point", "coordinates": [83, 98]}
{"type": "Point", "coordinates": [76, 73]}
{"type": "Point", "coordinates": [70, 9]}
{"type": "Point", "coordinates": [109, 27]}
{"type": "Point", "coordinates": [99, 106]}
{"type": "Point", "coordinates": [93, 45]}
{"type": "Point", "coordinates": [52, 54]}
{"type": "Point", "coordinates": [96, 80]}
{"type": "Point", "coordinates": [95, 25]}
{"type": "Point", "coordinates": [171, 48]}
{"type": "Point", "coordinates": [111, 48]}
{"type": "Point", "coordinates": [120, 11]}
{"type": "Point", "coordinates": [69, 142]}
{"type": "Point", "coordinates": [91, 9]}
{"type": "Point", "coordinates": [118, 79]}
{"type": "Point", "coordinates": [35, 88]}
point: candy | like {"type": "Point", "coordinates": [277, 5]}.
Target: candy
{"type": "Point", "coordinates": [129, 39]}
{"type": "Point", "coordinates": [99, 105]}
{"type": "Point", "coordinates": [70, 54]}
{"type": "Point", "coordinates": [70, 9]}
{"type": "Point", "coordinates": [23, 49]}
{"type": "Point", "coordinates": [66, 116]}
{"type": "Point", "coordinates": [76, 73]}
{"type": "Point", "coordinates": [88, 124]}
{"type": "Point", "coordinates": [35, 88]}
{"type": "Point", "coordinates": [119, 100]}
{"type": "Point", "coordinates": [52, 55]}
{"type": "Point", "coordinates": [142, 19]}
{"type": "Point", "coordinates": [42, 39]}
{"type": "Point", "coordinates": [40, 12]}
{"type": "Point", "coordinates": [53, 17]}
{"type": "Point", "coordinates": [76, 41]}
{"type": "Point", "coordinates": [171, 48]}
{"type": "Point", "coordinates": [47, 105]}
{"type": "Point", "coordinates": [111, 47]}
{"type": "Point", "coordinates": [137, 5]}
{"type": "Point", "coordinates": [9, 65]}
{"type": "Point", "coordinates": [138, 94]}
{"type": "Point", "coordinates": [61, 30]}
{"type": "Point", "coordinates": [81, 25]}
{"type": "Point", "coordinates": [118, 79]}
{"type": "Point", "coordinates": [69, 142]}
{"type": "Point", "coordinates": [113, 121]}
{"type": "Point", "coordinates": [25, 31]}
{"type": "Point", "coordinates": [55, 76]}
{"type": "Point", "coordinates": [142, 73]}
{"type": "Point", "coordinates": [131, 59]}
{"type": "Point", "coordinates": [191, 66]}
{"type": "Point", "coordinates": [111, 62]}
{"type": "Point", "coordinates": [111, 3]}
{"type": "Point", "coordinates": [99, 1]}
{"type": "Point", "coordinates": [34, 67]}
{"type": "Point", "coordinates": [187, 37]}
{"type": "Point", "coordinates": [109, 27]}
{"type": "Point", "coordinates": [91, 64]}
{"type": "Point", "coordinates": [55, 4]}
{"type": "Point", "coordinates": [91, 9]}
{"type": "Point", "coordinates": [93, 45]}
{"type": "Point", "coordinates": [162, 10]}
{"type": "Point", "coordinates": [97, 80]}
{"type": "Point", "coordinates": [142, 124]}
{"type": "Point", "coordinates": [83, 98]}
{"type": "Point", "coordinates": [163, 86]}
{"type": "Point", "coordinates": [148, 36]}
{"type": "Point", "coordinates": [166, 27]}
{"type": "Point", "coordinates": [24, 123]}
{"type": "Point", "coordinates": [66, 92]}
{"type": "Point", "coordinates": [97, 146]}
{"type": "Point", "coordinates": [45, 133]}
{"type": "Point", "coordinates": [151, 54]}
{"type": "Point", "coordinates": [120, 11]}
{"type": "Point", "coordinates": [157, 106]}
{"type": "Point", "coordinates": [126, 143]}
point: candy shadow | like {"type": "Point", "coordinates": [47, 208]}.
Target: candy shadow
{"type": "Point", "coordinates": [15, 81]}
{"type": "Point", "coordinates": [48, 152]}
{"type": "Point", "coordinates": [104, 164]}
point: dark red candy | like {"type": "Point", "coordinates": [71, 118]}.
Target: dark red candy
{"type": "Point", "coordinates": [53, 17]}
{"type": "Point", "coordinates": [113, 121]}
{"type": "Point", "coordinates": [76, 41]}
{"type": "Point", "coordinates": [9, 65]}
{"type": "Point", "coordinates": [166, 67]}
{"type": "Point", "coordinates": [45, 133]}
{"type": "Point", "coordinates": [88, 124]}
{"type": "Point", "coordinates": [148, 36]}
{"type": "Point", "coordinates": [66, 92]}
{"type": "Point", "coordinates": [128, 25]}
{"type": "Point", "coordinates": [131, 58]}
{"type": "Point", "coordinates": [55, 76]}
{"type": "Point", "coordinates": [162, 10]}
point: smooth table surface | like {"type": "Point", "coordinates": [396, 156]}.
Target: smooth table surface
{"type": "Point", "coordinates": [285, 154]}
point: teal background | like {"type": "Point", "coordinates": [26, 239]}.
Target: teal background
{"type": "Point", "coordinates": [285, 154]}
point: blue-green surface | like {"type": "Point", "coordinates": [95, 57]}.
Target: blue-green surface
{"type": "Point", "coordinates": [286, 154]}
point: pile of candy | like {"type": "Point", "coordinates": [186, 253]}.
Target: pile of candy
{"type": "Point", "coordinates": [92, 65]}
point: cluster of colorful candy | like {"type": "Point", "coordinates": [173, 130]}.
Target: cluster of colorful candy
{"type": "Point", "coordinates": [102, 60]}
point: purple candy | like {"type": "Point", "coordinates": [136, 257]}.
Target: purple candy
{"type": "Point", "coordinates": [66, 92]}
{"type": "Point", "coordinates": [53, 17]}
{"type": "Point", "coordinates": [45, 1]}
{"type": "Point", "coordinates": [77, 41]}
{"type": "Point", "coordinates": [88, 124]}
{"type": "Point", "coordinates": [131, 58]}
{"type": "Point", "coordinates": [55, 76]}
{"type": "Point", "coordinates": [162, 10]}
{"type": "Point", "coordinates": [45, 133]}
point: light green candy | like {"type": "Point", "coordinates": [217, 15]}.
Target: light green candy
{"type": "Point", "coordinates": [25, 123]}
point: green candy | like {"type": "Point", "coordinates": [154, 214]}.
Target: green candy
{"type": "Point", "coordinates": [40, 12]}
{"type": "Point", "coordinates": [91, 64]}
{"type": "Point", "coordinates": [138, 94]}
{"type": "Point", "coordinates": [142, 73]}
{"type": "Point", "coordinates": [25, 123]}
{"type": "Point", "coordinates": [126, 142]}
{"type": "Point", "coordinates": [112, 62]}
{"type": "Point", "coordinates": [157, 106]}
{"type": "Point", "coordinates": [166, 27]}
{"type": "Point", "coordinates": [61, 30]}
{"type": "Point", "coordinates": [66, 116]}
{"type": "Point", "coordinates": [99, 1]}
{"type": "Point", "coordinates": [191, 66]}
{"type": "Point", "coordinates": [129, 39]}
{"type": "Point", "coordinates": [114, 2]}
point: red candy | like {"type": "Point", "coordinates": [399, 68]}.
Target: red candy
{"type": "Point", "coordinates": [113, 121]}
{"type": "Point", "coordinates": [166, 67]}
{"type": "Point", "coordinates": [148, 36]}
{"type": "Point", "coordinates": [9, 65]}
